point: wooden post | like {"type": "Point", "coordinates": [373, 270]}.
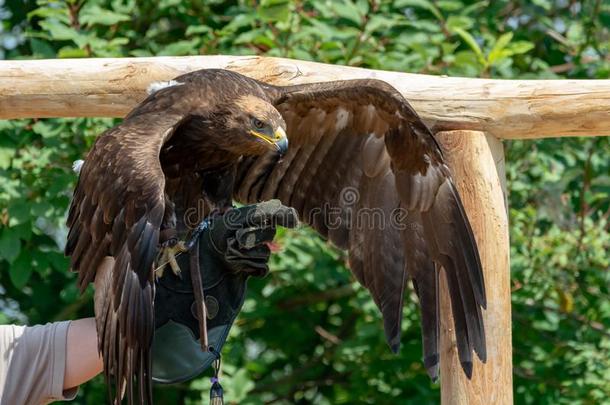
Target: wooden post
{"type": "Point", "coordinates": [477, 162]}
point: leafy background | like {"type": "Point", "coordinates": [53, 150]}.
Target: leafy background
{"type": "Point", "coordinates": [308, 333]}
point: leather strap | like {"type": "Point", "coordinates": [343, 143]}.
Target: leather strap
{"type": "Point", "coordinates": [199, 297]}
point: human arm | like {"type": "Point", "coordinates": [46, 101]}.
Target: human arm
{"type": "Point", "coordinates": [83, 361]}
{"type": "Point", "coordinates": [33, 363]}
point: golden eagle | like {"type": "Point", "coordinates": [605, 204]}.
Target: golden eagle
{"type": "Point", "coordinates": [211, 136]}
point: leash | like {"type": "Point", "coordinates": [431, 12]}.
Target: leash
{"type": "Point", "coordinates": [198, 292]}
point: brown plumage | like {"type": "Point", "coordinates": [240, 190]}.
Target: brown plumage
{"type": "Point", "coordinates": [355, 147]}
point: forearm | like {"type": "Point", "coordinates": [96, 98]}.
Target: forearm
{"type": "Point", "coordinates": [83, 361]}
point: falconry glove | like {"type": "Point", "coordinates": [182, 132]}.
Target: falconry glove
{"type": "Point", "coordinates": [239, 239]}
{"type": "Point", "coordinates": [231, 248]}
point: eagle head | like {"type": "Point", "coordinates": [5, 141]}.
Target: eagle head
{"type": "Point", "coordinates": [258, 125]}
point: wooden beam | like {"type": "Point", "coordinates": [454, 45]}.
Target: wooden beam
{"type": "Point", "coordinates": [477, 163]}
{"type": "Point", "coordinates": [509, 109]}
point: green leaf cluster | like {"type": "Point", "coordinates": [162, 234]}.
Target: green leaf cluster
{"type": "Point", "coordinates": [308, 332]}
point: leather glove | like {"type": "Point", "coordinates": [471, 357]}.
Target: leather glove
{"type": "Point", "coordinates": [238, 240]}
{"type": "Point", "coordinates": [232, 248]}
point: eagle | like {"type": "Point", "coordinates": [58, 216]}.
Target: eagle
{"type": "Point", "coordinates": [210, 137]}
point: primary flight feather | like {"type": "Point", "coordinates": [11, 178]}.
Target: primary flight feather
{"type": "Point", "coordinates": [212, 136]}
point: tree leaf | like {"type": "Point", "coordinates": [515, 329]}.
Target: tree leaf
{"type": "Point", "coordinates": [275, 10]}
{"type": "Point", "coordinates": [68, 52]}
{"type": "Point", "coordinates": [449, 5]}
{"type": "Point", "coordinates": [20, 271]}
{"type": "Point", "coordinates": [42, 48]}
{"type": "Point", "coordinates": [94, 14]}
{"type": "Point", "coordinates": [545, 4]}
{"type": "Point", "coordinates": [6, 154]}
{"type": "Point", "coordinates": [349, 11]}
{"type": "Point", "coordinates": [425, 4]}
{"type": "Point", "coordinates": [18, 212]}
{"type": "Point", "coordinates": [459, 21]}
{"type": "Point", "coordinates": [179, 48]}
{"type": "Point", "coordinates": [59, 31]}
{"type": "Point", "coordinates": [519, 47]}
{"type": "Point", "coordinates": [10, 245]}
{"type": "Point", "coordinates": [496, 51]}
{"type": "Point", "coordinates": [472, 43]}
{"type": "Point", "coordinates": [197, 29]}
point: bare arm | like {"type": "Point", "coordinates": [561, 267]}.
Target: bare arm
{"type": "Point", "coordinates": [83, 362]}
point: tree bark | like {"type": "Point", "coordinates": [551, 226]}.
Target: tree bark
{"type": "Point", "coordinates": [509, 109]}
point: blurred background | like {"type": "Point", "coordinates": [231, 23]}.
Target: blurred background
{"type": "Point", "coordinates": [308, 332]}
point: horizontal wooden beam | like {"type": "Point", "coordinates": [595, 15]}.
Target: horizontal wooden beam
{"type": "Point", "coordinates": [509, 109]}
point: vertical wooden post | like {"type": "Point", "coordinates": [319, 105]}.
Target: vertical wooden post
{"type": "Point", "coordinates": [477, 162]}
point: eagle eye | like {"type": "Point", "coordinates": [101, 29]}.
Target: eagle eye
{"type": "Point", "coordinates": [258, 124]}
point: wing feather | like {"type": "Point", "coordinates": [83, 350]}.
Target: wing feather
{"type": "Point", "coordinates": [361, 136]}
{"type": "Point", "coordinates": [424, 274]}
{"type": "Point", "coordinates": [117, 211]}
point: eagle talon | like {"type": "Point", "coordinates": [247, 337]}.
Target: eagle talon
{"type": "Point", "coordinates": [168, 257]}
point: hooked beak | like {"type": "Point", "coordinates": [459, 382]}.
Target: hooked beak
{"type": "Point", "coordinates": [281, 141]}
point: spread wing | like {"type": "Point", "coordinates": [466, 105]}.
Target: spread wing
{"type": "Point", "coordinates": [117, 210]}
{"type": "Point", "coordinates": [367, 174]}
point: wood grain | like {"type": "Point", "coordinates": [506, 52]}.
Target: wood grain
{"type": "Point", "coordinates": [476, 160]}
{"type": "Point", "coordinates": [508, 109]}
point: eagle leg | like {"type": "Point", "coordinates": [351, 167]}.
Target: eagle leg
{"type": "Point", "coordinates": [168, 257]}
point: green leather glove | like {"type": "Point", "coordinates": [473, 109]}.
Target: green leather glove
{"type": "Point", "coordinates": [232, 248]}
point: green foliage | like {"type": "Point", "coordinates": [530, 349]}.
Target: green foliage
{"type": "Point", "coordinates": [308, 332]}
